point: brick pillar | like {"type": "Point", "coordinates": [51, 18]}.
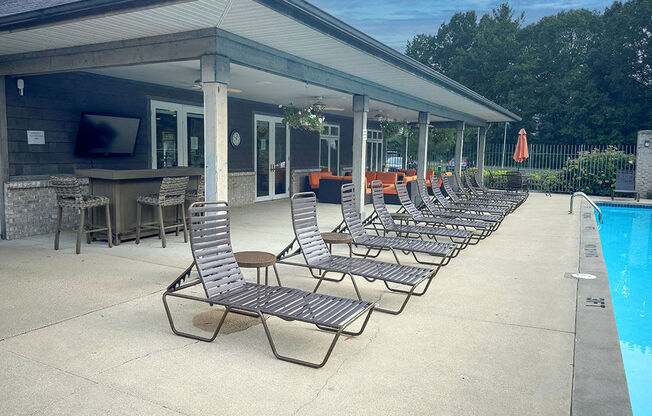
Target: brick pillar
{"type": "Point", "coordinates": [644, 163]}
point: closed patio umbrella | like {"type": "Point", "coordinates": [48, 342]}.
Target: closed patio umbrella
{"type": "Point", "coordinates": [521, 153]}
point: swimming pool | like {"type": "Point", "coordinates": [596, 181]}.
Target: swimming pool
{"type": "Point", "coordinates": [626, 238]}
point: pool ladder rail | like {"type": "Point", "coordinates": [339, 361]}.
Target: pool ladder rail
{"type": "Point", "coordinates": [582, 194]}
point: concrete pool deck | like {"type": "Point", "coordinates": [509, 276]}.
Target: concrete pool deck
{"type": "Point", "coordinates": [87, 334]}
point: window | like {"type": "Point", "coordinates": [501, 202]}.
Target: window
{"type": "Point", "coordinates": [177, 135]}
{"type": "Point", "coordinates": [329, 148]}
{"type": "Point", "coordinates": [374, 158]}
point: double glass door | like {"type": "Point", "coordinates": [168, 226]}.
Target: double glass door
{"type": "Point", "coordinates": [329, 149]}
{"type": "Point", "coordinates": [272, 158]}
{"type": "Point", "coordinates": [177, 135]}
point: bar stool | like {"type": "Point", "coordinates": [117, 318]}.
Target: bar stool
{"type": "Point", "coordinates": [171, 194]}
{"type": "Point", "coordinates": [69, 195]}
{"type": "Point", "coordinates": [199, 194]}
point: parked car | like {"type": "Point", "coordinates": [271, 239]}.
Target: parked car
{"type": "Point", "coordinates": [394, 163]}
{"type": "Point", "coordinates": [466, 163]}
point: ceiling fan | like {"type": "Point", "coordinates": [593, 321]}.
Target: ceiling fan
{"type": "Point", "coordinates": [319, 104]}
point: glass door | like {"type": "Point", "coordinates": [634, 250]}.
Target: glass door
{"type": "Point", "coordinates": [272, 158]}
{"type": "Point", "coordinates": [177, 135]}
{"type": "Point", "coordinates": [329, 149]}
{"type": "Point", "coordinates": [374, 161]}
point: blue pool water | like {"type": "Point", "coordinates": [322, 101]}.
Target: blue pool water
{"type": "Point", "coordinates": [626, 237]}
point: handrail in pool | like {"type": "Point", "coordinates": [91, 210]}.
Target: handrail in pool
{"type": "Point", "coordinates": [590, 202]}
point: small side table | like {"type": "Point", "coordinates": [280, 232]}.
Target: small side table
{"type": "Point", "coordinates": [338, 238]}
{"type": "Point", "coordinates": [257, 260]}
{"type": "Point", "coordinates": [401, 217]}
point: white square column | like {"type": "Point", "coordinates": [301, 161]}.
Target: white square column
{"type": "Point", "coordinates": [482, 141]}
{"type": "Point", "coordinates": [422, 155]}
{"type": "Point", "coordinates": [459, 144]}
{"type": "Point", "coordinates": [360, 110]}
{"type": "Point", "coordinates": [215, 71]}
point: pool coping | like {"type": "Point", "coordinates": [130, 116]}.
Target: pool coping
{"type": "Point", "coordinates": [599, 382]}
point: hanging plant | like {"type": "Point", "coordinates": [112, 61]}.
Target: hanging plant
{"type": "Point", "coordinates": [309, 118]}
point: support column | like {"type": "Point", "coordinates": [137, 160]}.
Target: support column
{"type": "Point", "coordinates": [215, 72]}
{"type": "Point", "coordinates": [459, 144]}
{"type": "Point", "coordinates": [360, 110]}
{"type": "Point", "coordinates": [422, 158]}
{"type": "Point", "coordinates": [405, 153]}
{"type": "Point", "coordinates": [482, 141]}
{"type": "Point", "coordinates": [4, 156]}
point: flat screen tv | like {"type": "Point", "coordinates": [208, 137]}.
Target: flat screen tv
{"type": "Point", "coordinates": [106, 135]}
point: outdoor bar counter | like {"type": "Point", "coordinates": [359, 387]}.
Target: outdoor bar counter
{"type": "Point", "coordinates": [122, 187]}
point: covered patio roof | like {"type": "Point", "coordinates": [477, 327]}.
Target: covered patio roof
{"type": "Point", "coordinates": [290, 39]}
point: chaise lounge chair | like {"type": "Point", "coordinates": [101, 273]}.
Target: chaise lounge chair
{"type": "Point", "coordinates": [463, 213]}
{"type": "Point", "coordinates": [224, 285]}
{"type": "Point", "coordinates": [317, 257]}
{"type": "Point", "coordinates": [478, 181]}
{"type": "Point", "coordinates": [625, 184]}
{"type": "Point", "coordinates": [462, 198]}
{"type": "Point", "coordinates": [444, 251]}
{"type": "Point", "coordinates": [479, 194]}
{"type": "Point", "coordinates": [458, 205]}
{"type": "Point", "coordinates": [461, 237]}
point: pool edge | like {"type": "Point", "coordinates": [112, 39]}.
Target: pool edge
{"type": "Point", "coordinates": [599, 382]}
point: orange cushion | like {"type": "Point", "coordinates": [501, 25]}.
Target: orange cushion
{"type": "Point", "coordinates": [387, 178]}
{"type": "Point", "coordinates": [370, 177]}
{"type": "Point", "coordinates": [389, 189]}
{"type": "Point", "coordinates": [314, 177]}
{"type": "Point", "coordinates": [410, 178]}
{"type": "Point", "coordinates": [408, 172]}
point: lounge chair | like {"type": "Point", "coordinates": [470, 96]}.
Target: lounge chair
{"type": "Point", "coordinates": [478, 193]}
{"type": "Point", "coordinates": [467, 194]}
{"type": "Point", "coordinates": [464, 207]}
{"type": "Point", "coordinates": [224, 285]}
{"type": "Point", "coordinates": [625, 184]}
{"type": "Point", "coordinates": [484, 226]}
{"type": "Point", "coordinates": [462, 213]}
{"type": "Point", "coordinates": [443, 251]}
{"type": "Point", "coordinates": [447, 183]}
{"type": "Point", "coordinates": [461, 237]}
{"type": "Point", "coordinates": [317, 257]}
{"type": "Point", "coordinates": [478, 181]}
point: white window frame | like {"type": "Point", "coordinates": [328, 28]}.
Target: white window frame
{"type": "Point", "coordinates": [182, 128]}
{"type": "Point", "coordinates": [272, 150]}
{"type": "Point", "coordinates": [375, 136]}
{"type": "Point", "coordinates": [329, 137]}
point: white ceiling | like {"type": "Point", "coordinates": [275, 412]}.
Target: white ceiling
{"type": "Point", "coordinates": [251, 20]}
{"type": "Point", "coordinates": [255, 86]}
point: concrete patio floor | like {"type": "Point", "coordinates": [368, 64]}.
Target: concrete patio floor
{"type": "Point", "coordinates": [87, 334]}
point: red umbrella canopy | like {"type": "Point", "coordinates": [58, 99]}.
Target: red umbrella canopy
{"type": "Point", "coordinates": [521, 153]}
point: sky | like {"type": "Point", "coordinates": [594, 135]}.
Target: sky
{"type": "Point", "coordinates": [394, 22]}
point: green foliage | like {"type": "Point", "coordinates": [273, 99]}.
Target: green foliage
{"type": "Point", "coordinates": [309, 118]}
{"type": "Point", "coordinates": [594, 181]}
{"type": "Point", "coordinates": [576, 77]}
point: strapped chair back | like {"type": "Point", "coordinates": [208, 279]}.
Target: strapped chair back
{"type": "Point", "coordinates": [422, 187]}
{"type": "Point", "coordinates": [406, 202]}
{"type": "Point", "coordinates": [68, 191]}
{"type": "Point", "coordinates": [350, 214]}
{"type": "Point", "coordinates": [449, 189]}
{"type": "Point", "coordinates": [210, 242]}
{"type": "Point", "coordinates": [306, 229]}
{"type": "Point", "coordinates": [625, 181]}
{"type": "Point", "coordinates": [478, 180]}
{"type": "Point", "coordinates": [378, 199]}
{"type": "Point", "coordinates": [440, 196]}
{"type": "Point", "coordinates": [469, 183]}
{"type": "Point", "coordinates": [173, 190]}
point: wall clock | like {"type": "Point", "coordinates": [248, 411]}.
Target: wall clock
{"type": "Point", "coordinates": [235, 138]}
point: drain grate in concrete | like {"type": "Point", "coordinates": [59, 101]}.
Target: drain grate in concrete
{"type": "Point", "coordinates": [595, 302]}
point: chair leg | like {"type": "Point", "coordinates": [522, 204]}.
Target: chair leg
{"type": "Point", "coordinates": [139, 209]}
{"type": "Point", "coordinates": [161, 225]}
{"type": "Point", "coordinates": [90, 226]}
{"type": "Point", "coordinates": [176, 220]}
{"type": "Point", "coordinates": [58, 231]}
{"type": "Point", "coordinates": [186, 334]}
{"type": "Point", "coordinates": [109, 234]}
{"type": "Point", "coordinates": [185, 226]}
{"type": "Point", "coordinates": [80, 229]}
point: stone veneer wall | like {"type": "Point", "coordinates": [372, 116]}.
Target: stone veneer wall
{"type": "Point", "coordinates": [31, 209]}
{"type": "Point", "coordinates": [299, 180]}
{"type": "Point", "coordinates": [644, 163]}
{"type": "Point", "coordinates": [242, 188]}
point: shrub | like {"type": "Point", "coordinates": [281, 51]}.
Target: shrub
{"type": "Point", "coordinates": [592, 172]}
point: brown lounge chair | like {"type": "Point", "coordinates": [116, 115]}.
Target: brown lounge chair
{"type": "Point", "coordinates": [460, 237]}
{"type": "Point", "coordinates": [480, 185]}
{"type": "Point", "coordinates": [444, 251]}
{"type": "Point", "coordinates": [224, 285]}
{"type": "Point", "coordinates": [472, 191]}
{"type": "Point", "coordinates": [449, 181]}
{"type": "Point", "coordinates": [455, 204]}
{"type": "Point", "coordinates": [317, 257]}
{"type": "Point", "coordinates": [449, 207]}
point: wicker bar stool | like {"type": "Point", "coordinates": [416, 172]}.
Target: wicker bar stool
{"type": "Point", "coordinates": [69, 195]}
{"type": "Point", "coordinates": [199, 194]}
{"type": "Point", "coordinates": [171, 194]}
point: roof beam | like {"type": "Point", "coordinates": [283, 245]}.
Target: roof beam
{"type": "Point", "coordinates": [194, 44]}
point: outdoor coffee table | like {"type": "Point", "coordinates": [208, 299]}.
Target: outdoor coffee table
{"type": "Point", "coordinates": [338, 238]}
{"type": "Point", "coordinates": [257, 260]}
